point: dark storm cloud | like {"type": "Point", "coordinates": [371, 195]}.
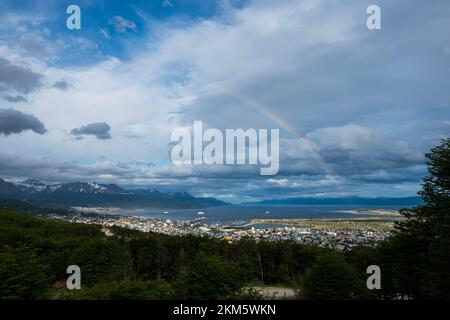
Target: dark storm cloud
{"type": "Point", "coordinates": [392, 176]}
{"type": "Point", "coordinates": [57, 170]}
{"type": "Point", "coordinates": [101, 130]}
{"type": "Point", "coordinates": [17, 77]}
{"type": "Point", "coordinates": [343, 151]}
{"type": "Point", "coordinates": [354, 149]}
{"type": "Point", "coordinates": [13, 121]}
{"type": "Point", "coordinates": [15, 99]}
{"type": "Point", "coordinates": [343, 159]}
{"type": "Point", "coordinates": [245, 188]}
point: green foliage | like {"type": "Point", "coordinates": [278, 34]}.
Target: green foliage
{"type": "Point", "coordinates": [209, 277]}
{"type": "Point", "coordinates": [331, 277]}
{"type": "Point", "coordinates": [101, 260]}
{"type": "Point", "coordinates": [126, 290]}
{"type": "Point", "coordinates": [22, 274]}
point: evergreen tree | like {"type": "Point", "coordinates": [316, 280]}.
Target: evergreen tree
{"type": "Point", "coordinates": [22, 274]}
{"type": "Point", "coordinates": [330, 277]}
{"type": "Point", "coordinates": [209, 277]}
{"type": "Point", "coordinates": [423, 239]}
{"type": "Point", "coordinates": [101, 260]}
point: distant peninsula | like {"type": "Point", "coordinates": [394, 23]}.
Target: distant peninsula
{"type": "Point", "coordinates": [360, 201]}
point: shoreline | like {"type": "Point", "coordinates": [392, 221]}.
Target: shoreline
{"type": "Point", "coordinates": [381, 212]}
{"type": "Point", "coordinates": [363, 218]}
{"type": "Point", "coordinates": [330, 223]}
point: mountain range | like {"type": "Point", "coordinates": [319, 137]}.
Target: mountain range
{"type": "Point", "coordinates": [92, 194]}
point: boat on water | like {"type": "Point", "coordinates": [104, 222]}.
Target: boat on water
{"type": "Point", "coordinates": [166, 212]}
{"type": "Point", "coordinates": [200, 212]}
{"type": "Point", "coordinates": [267, 211]}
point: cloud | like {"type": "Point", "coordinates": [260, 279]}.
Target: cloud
{"type": "Point", "coordinates": [371, 103]}
{"type": "Point", "coordinates": [104, 32]}
{"type": "Point", "coordinates": [17, 77]}
{"type": "Point", "coordinates": [15, 99]}
{"type": "Point", "coordinates": [57, 170]}
{"type": "Point", "coordinates": [101, 130]}
{"type": "Point", "coordinates": [13, 121]}
{"type": "Point", "coordinates": [121, 24]}
{"type": "Point", "coordinates": [352, 148]}
{"type": "Point", "coordinates": [167, 3]}
{"type": "Point", "coordinates": [62, 84]}
{"type": "Point", "coordinates": [35, 44]}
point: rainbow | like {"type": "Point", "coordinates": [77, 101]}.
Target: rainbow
{"type": "Point", "coordinates": [283, 124]}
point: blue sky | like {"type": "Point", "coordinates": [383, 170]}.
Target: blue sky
{"type": "Point", "coordinates": [100, 103]}
{"type": "Point", "coordinates": [98, 25]}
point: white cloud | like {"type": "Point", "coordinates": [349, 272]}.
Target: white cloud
{"type": "Point", "coordinates": [121, 24]}
{"type": "Point", "coordinates": [104, 32]}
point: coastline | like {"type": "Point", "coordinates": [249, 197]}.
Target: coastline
{"type": "Point", "coordinates": [332, 223]}
{"type": "Point", "coordinates": [383, 212]}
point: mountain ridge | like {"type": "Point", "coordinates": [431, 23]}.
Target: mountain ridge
{"type": "Point", "coordinates": [97, 194]}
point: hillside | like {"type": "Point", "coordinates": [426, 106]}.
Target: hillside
{"type": "Point", "coordinates": [91, 194]}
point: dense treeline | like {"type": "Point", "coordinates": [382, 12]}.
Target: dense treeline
{"type": "Point", "coordinates": [35, 252]}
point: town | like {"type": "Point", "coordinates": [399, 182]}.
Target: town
{"type": "Point", "coordinates": [333, 238]}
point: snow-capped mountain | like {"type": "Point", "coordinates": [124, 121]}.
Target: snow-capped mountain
{"type": "Point", "coordinates": [86, 187]}
{"type": "Point", "coordinates": [97, 194]}
{"type": "Point", "coordinates": [34, 186]}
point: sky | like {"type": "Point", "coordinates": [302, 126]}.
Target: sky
{"type": "Point", "coordinates": [357, 109]}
